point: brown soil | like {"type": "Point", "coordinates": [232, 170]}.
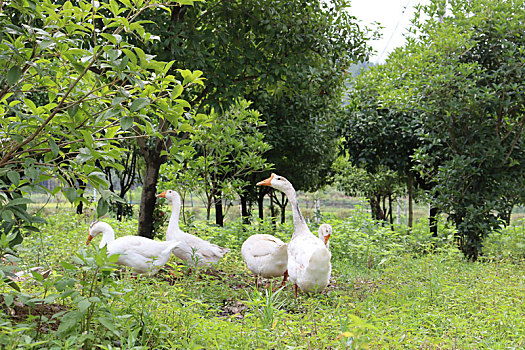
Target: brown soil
{"type": "Point", "coordinates": [40, 312]}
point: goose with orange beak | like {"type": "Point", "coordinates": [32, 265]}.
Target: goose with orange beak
{"type": "Point", "coordinates": [142, 254]}
{"type": "Point", "coordinates": [192, 249]}
{"type": "Point", "coordinates": [309, 266]}
{"type": "Point", "coordinates": [325, 231]}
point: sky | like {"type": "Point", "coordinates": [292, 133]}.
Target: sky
{"type": "Point", "coordinates": [393, 15]}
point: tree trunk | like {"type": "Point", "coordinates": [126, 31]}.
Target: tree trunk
{"type": "Point", "coordinates": [148, 198]}
{"type": "Point", "coordinates": [120, 211]}
{"type": "Point", "coordinates": [410, 186]}
{"type": "Point", "coordinates": [82, 186]}
{"type": "Point", "coordinates": [219, 216]}
{"type": "Point", "coordinates": [208, 208]}
{"type": "Point", "coordinates": [390, 211]}
{"type": "Point", "coordinates": [282, 205]}
{"type": "Point", "coordinates": [245, 212]}
{"type": "Point", "coordinates": [260, 204]}
{"type": "Point", "coordinates": [398, 216]}
{"type": "Point", "coordinates": [375, 207]}
{"type": "Point", "coordinates": [272, 210]}
{"type": "Point", "coordinates": [432, 220]}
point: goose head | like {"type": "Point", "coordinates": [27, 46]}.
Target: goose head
{"type": "Point", "coordinates": [171, 195]}
{"type": "Point", "coordinates": [325, 231]}
{"type": "Point", "coordinates": [100, 227]}
{"type": "Point", "coordinates": [278, 182]}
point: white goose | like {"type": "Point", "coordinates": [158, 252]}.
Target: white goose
{"type": "Point", "coordinates": [309, 264]}
{"type": "Point", "coordinates": [325, 231]}
{"type": "Point", "coordinates": [192, 249]}
{"type": "Point", "coordinates": [266, 256]}
{"type": "Point", "coordinates": [142, 254]}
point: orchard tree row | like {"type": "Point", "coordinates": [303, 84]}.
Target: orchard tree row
{"type": "Point", "coordinates": [102, 93]}
{"type": "Point", "coordinates": [446, 115]}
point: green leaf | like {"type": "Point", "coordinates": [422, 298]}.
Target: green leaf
{"type": "Point", "coordinates": [37, 276]}
{"type": "Point", "coordinates": [83, 305]}
{"type": "Point", "coordinates": [31, 105]}
{"type": "Point", "coordinates": [143, 61]}
{"type": "Point", "coordinates": [7, 215]}
{"type": "Point", "coordinates": [102, 207]}
{"type": "Point", "coordinates": [18, 201]}
{"type": "Point", "coordinates": [71, 194]}
{"type": "Point", "coordinates": [13, 75]}
{"type": "Point", "coordinates": [72, 111]}
{"type": "Point", "coordinates": [88, 138]}
{"type": "Point", "coordinates": [69, 321]}
{"type": "Point", "coordinates": [184, 103]}
{"type": "Point", "coordinates": [126, 123]}
{"type": "Point", "coordinates": [8, 299]}
{"type": "Point", "coordinates": [12, 284]}
{"type": "Point", "coordinates": [54, 147]}
{"type": "Point", "coordinates": [14, 177]}
{"type": "Point", "coordinates": [139, 103]}
{"type": "Point", "coordinates": [32, 173]}
{"type": "Point", "coordinates": [112, 38]}
{"type": "Point", "coordinates": [68, 266]}
{"type": "Point", "coordinates": [186, 128]}
{"type": "Point", "coordinates": [176, 91]}
{"type": "Point", "coordinates": [130, 55]}
{"type": "Point", "coordinates": [109, 324]}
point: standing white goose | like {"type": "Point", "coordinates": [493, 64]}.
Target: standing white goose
{"type": "Point", "coordinates": [266, 256]}
{"type": "Point", "coordinates": [309, 264]}
{"type": "Point", "coordinates": [144, 255]}
{"type": "Point", "coordinates": [325, 231]}
{"type": "Point", "coordinates": [192, 249]}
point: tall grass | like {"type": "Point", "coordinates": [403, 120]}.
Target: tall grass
{"type": "Point", "coordinates": [391, 288]}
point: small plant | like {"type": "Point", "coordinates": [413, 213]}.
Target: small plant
{"type": "Point", "coordinates": [90, 287]}
{"type": "Point", "coordinates": [354, 332]}
{"type": "Point", "coordinates": [267, 306]}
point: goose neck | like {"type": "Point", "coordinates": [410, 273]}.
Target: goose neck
{"type": "Point", "coordinates": [108, 235]}
{"type": "Point", "coordinates": [174, 218]}
{"type": "Point", "coordinates": [299, 222]}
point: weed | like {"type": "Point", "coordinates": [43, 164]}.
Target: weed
{"type": "Point", "coordinates": [389, 289]}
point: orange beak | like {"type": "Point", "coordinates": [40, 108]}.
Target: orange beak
{"type": "Point", "coordinates": [326, 238]}
{"type": "Point", "coordinates": [267, 182]}
{"type": "Point", "coordinates": [163, 194]}
{"type": "Point", "coordinates": [90, 237]}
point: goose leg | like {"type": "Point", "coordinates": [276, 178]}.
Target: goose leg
{"type": "Point", "coordinates": [285, 278]}
{"type": "Point", "coordinates": [295, 290]}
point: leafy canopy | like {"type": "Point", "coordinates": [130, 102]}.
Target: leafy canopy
{"type": "Point", "coordinates": [70, 83]}
{"type": "Point", "coordinates": [460, 82]}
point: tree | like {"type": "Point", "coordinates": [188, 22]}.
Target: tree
{"type": "Point", "coordinates": [70, 84]}
{"type": "Point", "coordinates": [463, 71]}
{"type": "Point", "coordinates": [287, 57]}
{"type": "Point", "coordinates": [380, 187]}
{"type": "Point", "coordinates": [379, 136]}
{"type": "Point", "coordinates": [227, 152]}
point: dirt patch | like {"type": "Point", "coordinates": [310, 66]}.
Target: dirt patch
{"type": "Point", "coordinates": [232, 308]}
{"type": "Point", "coordinates": [39, 312]}
{"type": "Point", "coordinates": [177, 273]}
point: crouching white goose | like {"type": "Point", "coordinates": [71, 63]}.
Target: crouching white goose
{"type": "Point", "coordinates": [325, 231]}
{"type": "Point", "coordinates": [309, 264]}
{"type": "Point", "coordinates": [142, 254]}
{"type": "Point", "coordinates": [266, 256]}
{"type": "Point", "coordinates": [192, 249]}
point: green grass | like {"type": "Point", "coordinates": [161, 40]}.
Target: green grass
{"type": "Point", "coordinates": [387, 292]}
